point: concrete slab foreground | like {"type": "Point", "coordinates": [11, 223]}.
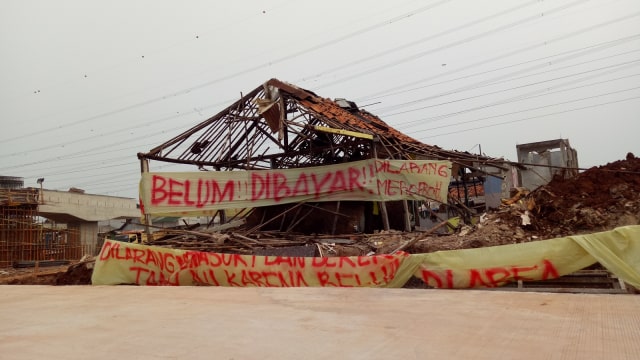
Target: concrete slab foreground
{"type": "Point", "coordinates": [129, 322]}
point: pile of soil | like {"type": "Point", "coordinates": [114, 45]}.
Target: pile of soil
{"type": "Point", "coordinates": [31, 276]}
{"type": "Point", "coordinates": [77, 274]}
{"type": "Point", "coordinates": [600, 198]}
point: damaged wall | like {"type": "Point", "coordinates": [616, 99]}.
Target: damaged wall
{"type": "Point", "coordinates": [544, 160]}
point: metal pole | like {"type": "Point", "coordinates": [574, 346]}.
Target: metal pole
{"type": "Point", "coordinates": [144, 168]}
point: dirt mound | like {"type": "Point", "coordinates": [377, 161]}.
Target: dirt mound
{"type": "Point", "coordinates": [77, 274]}
{"type": "Point", "coordinates": [30, 276]}
{"type": "Point", "coordinates": [600, 198]}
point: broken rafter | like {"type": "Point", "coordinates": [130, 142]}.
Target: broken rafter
{"type": "Point", "coordinates": [237, 141]}
{"type": "Point", "coordinates": [210, 136]}
{"type": "Point", "coordinates": [238, 138]}
{"type": "Point", "coordinates": [419, 237]}
{"type": "Point", "coordinates": [263, 223]}
{"type": "Point", "coordinates": [202, 125]}
{"type": "Point", "coordinates": [266, 133]}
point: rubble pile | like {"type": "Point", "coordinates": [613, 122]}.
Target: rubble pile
{"type": "Point", "coordinates": [598, 199]}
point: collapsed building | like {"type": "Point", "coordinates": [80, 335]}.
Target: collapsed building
{"type": "Point", "coordinates": [281, 126]}
{"type": "Point", "coordinates": [278, 127]}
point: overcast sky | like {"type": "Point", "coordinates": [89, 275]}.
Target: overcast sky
{"type": "Point", "coordinates": [86, 85]}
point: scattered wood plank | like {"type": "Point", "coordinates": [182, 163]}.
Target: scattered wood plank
{"type": "Point", "coordinates": [420, 237]}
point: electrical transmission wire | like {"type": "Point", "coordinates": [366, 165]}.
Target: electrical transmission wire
{"type": "Point", "coordinates": [236, 74]}
{"type": "Point", "coordinates": [535, 108]}
{"type": "Point", "coordinates": [173, 46]}
{"type": "Point", "coordinates": [526, 98]}
{"type": "Point", "coordinates": [385, 92]}
{"type": "Point", "coordinates": [576, 53]}
{"type": "Point", "coordinates": [531, 117]}
{"type": "Point", "coordinates": [532, 94]}
{"type": "Point", "coordinates": [441, 117]}
{"type": "Point", "coordinates": [450, 45]}
{"type": "Point", "coordinates": [419, 41]}
{"type": "Point", "coordinates": [404, 104]}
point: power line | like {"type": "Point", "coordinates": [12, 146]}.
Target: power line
{"type": "Point", "coordinates": [236, 74]}
{"type": "Point", "coordinates": [116, 131]}
{"type": "Point", "coordinates": [419, 41]}
{"type": "Point", "coordinates": [126, 141]}
{"type": "Point", "coordinates": [85, 152]}
{"type": "Point", "coordinates": [589, 49]}
{"type": "Point", "coordinates": [198, 37]}
{"type": "Point", "coordinates": [532, 117]}
{"type": "Point", "coordinates": [235, 22]}
{"type": "Point", "coordinates": [502, 102]}
{"type": "Point", "coordinates": [75, 155]}
{"type": "Point", "coordinates": [511, 53]}
{"type": "Point", "coordinates": [125, 108]}
{"type": "Point", "coordinates": [147, 102]}
{"type": "Point", "coordinates": [476, 120]}
{"type": "Point", "coordinates": [450, 45]}
{"type": "Point", "coordinates": [546, 94]}
{"type": "Point", "coordinates": [381, 111]}
{"type": "Point", "coordinates": [530, 109]}
{"type": "Point", "coordinates": [530, 95]}
{"type": "Point", "coordinates": [94, 137]}
{"type": "Point", "coordinates": [442, 116]}
{"type": "Point", "coordinates": [508, 76]}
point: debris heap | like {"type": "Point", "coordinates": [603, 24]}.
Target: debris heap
{"type": "Point", "coordinates": [598, 199]}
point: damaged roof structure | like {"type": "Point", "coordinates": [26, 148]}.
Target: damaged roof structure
{"type": "Point", "coordinates": [281, 126]}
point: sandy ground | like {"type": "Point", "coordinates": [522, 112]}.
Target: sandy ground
{"type": "Point", "coordinates": [129, 322]}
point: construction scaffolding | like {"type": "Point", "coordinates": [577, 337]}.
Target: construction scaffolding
{"type": "Point", "coordinates": [26, 238]}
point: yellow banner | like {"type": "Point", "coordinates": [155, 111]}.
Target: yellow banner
{"type": "Point", "coordinates": [367, 180]}
{"type": "Point", "coordinates": [125, 263]}
{"type": "Point", "coordinates": [617, 250]}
